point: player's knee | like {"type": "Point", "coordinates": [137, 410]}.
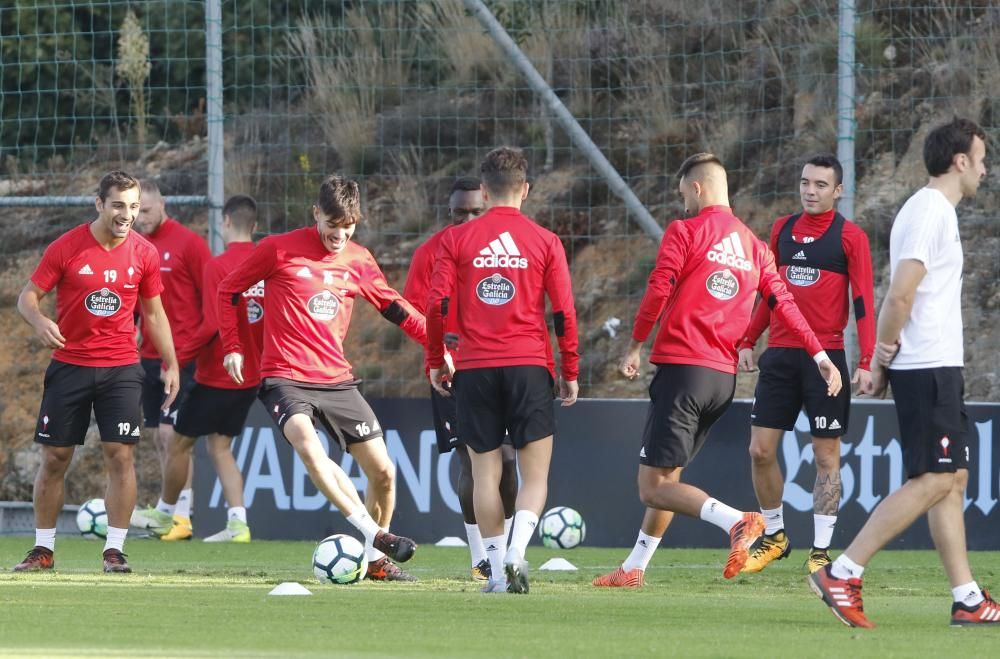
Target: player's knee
{"type": "Point", "coordinates": [762, 454]}
{"type": "Point", "coordinates": [382, 476]}
{"type": "Point", "coordinates": [961, 481]}
{"type": "Point", "coordinates": [55, 462]}
{"type": "Point", "coordinates": [827, 461]}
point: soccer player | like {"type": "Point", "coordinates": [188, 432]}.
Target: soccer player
{"type": "Point", "coordinates": [499, 269]}
{"type": "Point", "coordinates": [98, 270]}
{"type": "Point", "coordinates": [465, 201]}
{"type": "Point", "coordinates": [313, 277]}
{"type": "Point", "coordinates": [819, 253]}
{"type": "Point", "coordinates": [704, 283]}
{"type": "Point", "coordinates": [216, 406]}
{"type": "Point", "coordinates": [920, 339]}
{"type": "Point", "coordinates": [183, 255]}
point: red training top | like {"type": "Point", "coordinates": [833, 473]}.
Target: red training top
{"type": "Point", "coordinates": [96, 294]}
{"type": "Point", "coordinates": [820, 289]}
{"type": "Point", "coordinates": [706, 278]}
{"type": "Point", "coordinates": [500, 267]}
{"type": "Point", "coordinates": [418, 282]}
{"type": "Point", "coordinates": [206, 344]}
{"type": "Point", "coordinates": [307, 310]}
{"type": "Point", "coordinates": [183, 255]}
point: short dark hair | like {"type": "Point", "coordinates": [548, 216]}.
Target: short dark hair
{"type": "Point", "coordinates": [829, 161]}
{"type": "Point", "coordinates": [697, 160]}
{"type": "Point", "coordinates": [149, 185]}
{"type": "Point", "coordinates": [464, 184]}
{"type": "Point", "coordinates": [117, 179]}
{"type": "Point", "coordinates": [242, 212]}
{"type": "Point", "coordinates": [946, 141]}
{"type": "Point", "coordinates": [340, 199]}
{"type": "Point", "coordinates": [504, 170]}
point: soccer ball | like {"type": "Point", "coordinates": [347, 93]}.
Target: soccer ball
{"type": "Point", "coordinates": [561, 528]}
{"type": "Point", "coordinates": [92, 519]}
{"type": "Point", "coordinates": [340, 559]}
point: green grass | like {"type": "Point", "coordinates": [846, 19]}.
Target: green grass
{"type": "Point", "coordinates": [194, 599]}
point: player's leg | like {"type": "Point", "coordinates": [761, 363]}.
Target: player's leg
{"type": "Point", "coordinates": [486, 472]}
{"type": "Point", "coordinates": [177, 479]}
{"type": "Point", "coordinates": [508, 484]}
{"type": "Point", "coordinates": [48, 497]}
{"type": "Point", "coordinates": [480, 565]}
{"type": "Point", "coordinates": [181, 529]}
{"type": "Point", "coordinates": [119, 499]}
{"type": "Point", "coordinates": [220, 452]}
{"type": "Point", "coordinates": [632, 572]}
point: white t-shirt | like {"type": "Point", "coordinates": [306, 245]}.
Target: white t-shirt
{"type": "Point", "coordinates": [926, 230]}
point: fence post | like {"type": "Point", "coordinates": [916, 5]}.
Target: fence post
{"type": "Point", "coordinates": [214, 118]}
{"type": "Point", "coordinates": [846, 129]}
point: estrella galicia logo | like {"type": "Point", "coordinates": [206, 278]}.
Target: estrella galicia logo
{"type": "Point", "coordinates": [255, 312]}
{"type": "Point", "coordinates": [722, 285]}
{"type": "Point", "coordinates": [495, 290]}
{"type": "Point", "coordinates": [103, 303]}
{"type": "Point", "coordinates": [323, 306]}
{"type": "Point", "coordinates": [802, 275]}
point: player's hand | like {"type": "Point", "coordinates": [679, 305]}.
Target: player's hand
{"type": "Point", "coordinates": [568, 391]}
{"type": "Point", "coordinates": [449, 362]}
{"type": "Point", "coordinates": [49, 333]}
{"type": "Point", "coordinates": [886, 352]}
{"type": "Point", "coordinates": [440, 380]}
{"type": "Point", "coordinates": [862, 381]}
{"type": "Point", "coordinates": [831, 374]}
{"type": "Point", "coordinates": [233, 363]}
{"type": "Point", "coordinates": [629, 365]}
{"type": "Point", "coordinates": [171, 378]}
{"type": "Point", "coordinates": [879, 383]}
{"type": "Point", "coordinates": [746, 360]}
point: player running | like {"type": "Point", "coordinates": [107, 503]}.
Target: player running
{"type": "Point", "coordinates": [98, 270]}
{"type": "Point", "coordinates": [921, 317]}
{"type": "Point", "coordinates": [819, 253]}
{"type": "Point", "coordinates": [216, 406]}
{"type": "Point", "coordinates": [465, 202]}
{"type": "Point", "coordinates": [704, 283]}
{"type": "Point", "coordinates": [183, 255]}
{"type": "Point", "coordinates": [312, 277]}
{"type": "Point", "coordinates": [499, 269]}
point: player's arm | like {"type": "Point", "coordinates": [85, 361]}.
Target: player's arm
{"type": "Point", "coordinates": [761, 318]}
{"type": "Point", "coordinates": [157, 330]}
{"type": "Point", "coordinates": [859, 271]}
{"type": "Point", "coordinates": [418, 280]}
{"type": "Point", "coordinates": [782, 304]}
{"type": "Point", "coordinates": [670, 260]}
{"type": "Point", "coordinates": [559, 288]}
{"type": "Point", "coordinates": [28, 305]}
{"type": "Point", "coordinates": [259, 265]}
{"type": "Point", "coordinates": [390, 303]}
{"type": "Point", "coordinates": [442, 284]}
{"type": "Point", "coordinates": [209, 327]}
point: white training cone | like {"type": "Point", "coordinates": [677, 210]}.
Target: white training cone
{"type": "Point", "coordinates": [290, 588]}
{"type": "Point", "coordinates": [450, 541]}
{"type": "Point", "coordinates": [557, 564]}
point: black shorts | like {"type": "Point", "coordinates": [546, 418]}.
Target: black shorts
{"type": "Point", "coordinates": [684, 402]}
{"type": "Point", "coordinates": [152, 393]}
{"type": "Point", "coordinates": [340, 409]}
{"type": "Point", "coordinates": [214, 411]}
{"type": "Point", "coordinates": [113, 392]}
{"type": "Point", "coordinates": [933, 423]}
{"type": "Point", "coordinates": [789, 379]}
{"type": "Point", "coordinates": [516, 400]}
{"type": "Point", "coordinates": [445, 415]}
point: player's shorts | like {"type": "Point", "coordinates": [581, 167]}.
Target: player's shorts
{"type": "Point", "coordinates": [340, 409]}
{"type": "Point", "coordinates": [113, 392]}
{"type": "Point", "coordinates": [445, 415]}
{"type": "Point", "coordinates": [789, 379]}
{"type": "Point", "coordinates": [684, 402]}
{"type": "Point", "coordinates": [152, 393]}
{"type": "Point", "coordinates": [214, 411]}
{"type": "Point", "coordinates": [933, 423]}
{"type": "Point", "coordinates": [516, 400]}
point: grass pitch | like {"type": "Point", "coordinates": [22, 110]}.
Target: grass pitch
{"type": "Point", "coordinates": [194, 599]}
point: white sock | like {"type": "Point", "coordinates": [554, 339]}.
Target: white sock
{"type": "Point", "coordinates": [116, 538]}
{"type": "Point", "coordinates": [165, 507]}
{"type": "Point", "coordinates": [477, 549]}
{"type": "Point", "coordinates": [237, 512]}
{"type": "Point", "coordinates": [774, 519]}
{"type": "Point", "coordinates": [715, 512]}
{"type": "Point", "coordinates": [184, 502]}
{"type": "Point", "coordinates": [845, 568]}
{"type": "Point", "coordinates": [507, 523]}
{"type": "Point", "coordinates": [496, 547]}
{"type": "Point", "coordinates": [968, 594]}
{"type": "Point", "coordinates": [362, 521]}
{"type": "Point", "coordinates": [525, 523]}
{"type": "Point", "coordinates": [372, 553]}
{"type": "Point", "coordinates": [645, 547]}
{"type": "Point", "coordinates": [823, 534]}
{"type": "Point", "coordinates": [45, 538]}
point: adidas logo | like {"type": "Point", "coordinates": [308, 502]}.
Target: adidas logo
{"type": "Point", "coordinates": [835, 425]}
{"type": "Point", "coordinates": [304, 272]}
{"type": "Point", "coordinates": [501, 253]}
{"type": "Point", "coordinates": [642, 452]}
{"type": "Point", "coordinates": [643, 543]}
{"type": "Point", "coordinates": [492, 547]}
{"type": "Point", "coordinates": [800, 256]}
{"type": "Point", "coordinates": [135, 432]}
{"type": "Point", "coordinates": [730, 252]}
{"type": "Point", "coordinates": [85, 270]}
